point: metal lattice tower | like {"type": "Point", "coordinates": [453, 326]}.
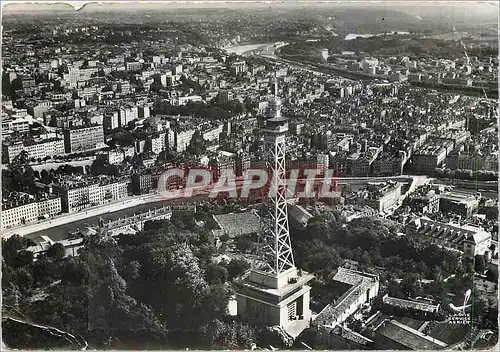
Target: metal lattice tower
{"type": "Point", "coordinates": [275, 247]}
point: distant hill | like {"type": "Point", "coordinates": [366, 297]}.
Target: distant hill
{"type": "Point", "coordinates": [372, 20]}
{"type": "Point", "coordinates": [344, 18]}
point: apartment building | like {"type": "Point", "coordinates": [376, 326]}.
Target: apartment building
{"type": "Point", "coordinates": [242, 163]}
{"type": "Point", "coordinates": [388, 165]}
{"type": "Point", "coordinates": [17, 213]}
{"type": "Point", "coordinates": [464, 204]}
{"type": "Point", "coordinates": [425, 202]}
{"type": "Point", "coordinates": [76, 196]}
{"type": "Point", "coordinates": [83, 138]}
{"type": "Point", "coordinates": [225, 162]}
{"type": "Point", "coordinates": [431, 156]}
{"type": "Point", "coordinates": [322, 162]}
{"type": "Point", "coordinates": [124, 87]}
{"type": "Point", "coordinates": [49, 207]}
{"type": "Point", "coordinates": [238, 67]}
{"type": "Point", "coordinates": [37, 109]}
{"type": "Point", "coordinates": [472, 162]}
{"type": "Point", "coordinates": [213, 134]}
{"type": "Point", "coordinates": [36, 150]}
{"type": "Point", "coordinates": [182, 139]}
{"type": "Point", "coordinates": [112, 157]}
{"type": "Point", "coordinates": [468, 239]}
{"type": "Point", "coordinates": [457, 136]}
{"type": "Point", "coordinates": [128, 115]}
{"type": "Point", "coordinates": [113, 191]}
{"type": "Point", "coordinates": [142, 183]}
{"type": "Point", "coordinates": [133, 66]}
{"type": "Point", "coordinates": [384, 197]}
{"type": "Point", "coordinates": [18, 124]}
{"type": "Point", "coordinates": [157, 143]}
{"type": "Point", "coordinates": [184, 100]}
{"type": "Point", "coordinates": [111, 120]}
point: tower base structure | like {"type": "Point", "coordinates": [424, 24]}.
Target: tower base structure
{"type": "Point", "coordinates": [276, 301]}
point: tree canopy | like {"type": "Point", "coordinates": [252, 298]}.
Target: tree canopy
{"type": "Point", "coordinates": [157, 288]}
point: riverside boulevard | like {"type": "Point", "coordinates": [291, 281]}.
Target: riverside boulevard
{"type": "Point", "coordinates": [155, 200]}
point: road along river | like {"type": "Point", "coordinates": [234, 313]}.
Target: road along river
{"type": "Point", "coordinates": [62, 231]}
{"type": "Point", "coordinates": [59, 227]}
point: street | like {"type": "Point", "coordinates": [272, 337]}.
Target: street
{"type": "Point", "coordinates": [63, 223]}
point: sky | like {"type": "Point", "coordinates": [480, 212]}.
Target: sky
{"type": "Point", "coordinates": [481, 8]}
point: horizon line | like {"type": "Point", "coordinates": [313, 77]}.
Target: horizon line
{"type": "Point", "coordinates": [20, 6]}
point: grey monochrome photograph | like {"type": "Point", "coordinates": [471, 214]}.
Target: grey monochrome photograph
{"type": "Point", "coordinates": [249, 175]}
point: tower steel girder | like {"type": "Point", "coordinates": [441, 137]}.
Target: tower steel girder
{"type": "Point", "coordinates": [275, 248]}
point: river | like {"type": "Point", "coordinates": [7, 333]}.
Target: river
{"type": "Point", "coordinates": [352, 36]}
{"type": "Point", "coordinates": [248, 48]}
{"type": "Point", "coordinates": [241, 49]}
{"type": "Point", "coordinates": [61, 232]}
